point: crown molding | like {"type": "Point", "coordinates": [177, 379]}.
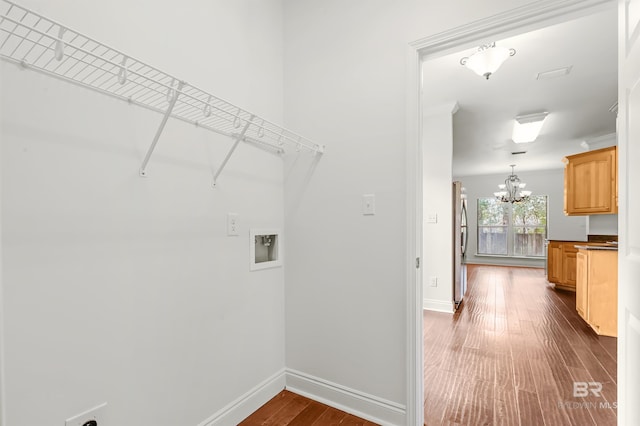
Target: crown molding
{"type": "Point", "coordinates": [536, 14]}
{"type": "Point", "coordinates": [598, 142]}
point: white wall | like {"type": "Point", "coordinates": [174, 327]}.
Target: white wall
{"type": "Point", "coordinates": [345, 86]}
{"type": "Point", "coordinates": [125, 289]}
{"type": "Point", "coordinates": [544, 182]}
{"type": "Point", "coordinates": [602, 224]}
{"type": "Point", "coordinates": [437, 243]}
{"type": "Point", "coordinates": [344, 71]}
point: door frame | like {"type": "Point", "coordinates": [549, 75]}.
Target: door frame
{"type": "Point", "coordinates": [523, 19]}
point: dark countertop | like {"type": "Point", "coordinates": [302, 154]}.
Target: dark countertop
{"type": "Point", "coordinates": [601, 238]}
{"type": "Point", "coordinates": [598, 239]}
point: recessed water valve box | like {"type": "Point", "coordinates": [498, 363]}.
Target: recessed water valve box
{"type": "Point", "coordinates": [93, 417]}
{"type": "Point", "coordinates": [265, 248]}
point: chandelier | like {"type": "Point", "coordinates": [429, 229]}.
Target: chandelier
{"type": "Point", "coordinates": [487, 59]}
{"type": "Point", "coordinates": [512, 190]}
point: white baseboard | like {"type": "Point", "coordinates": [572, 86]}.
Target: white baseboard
{"type": "Point", "coordinates": [239, 409]}
{"type": "Point", "coordinates": [506, 261]}
{"type": "Point", "coordinates": [369, 407]}
{"type": "Point", "coordinates": [437, 305]}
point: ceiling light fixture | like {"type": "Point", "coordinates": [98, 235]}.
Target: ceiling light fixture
{"type": "Point", "coordinates": [527, 127]}
{"type": "Point", "coordinates": [487, 59]}
{"type": "Point", "coordinates": [512, 190]}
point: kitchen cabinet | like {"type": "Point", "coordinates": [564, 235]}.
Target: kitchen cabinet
{"type": "Point", "coordinates": [561, 264]}
{"type": "Point", "coordinates": [569, 252]}
{"type": "Point", "coordinates": [554, 262]}
{"type": "Point", "coordinates": [591, 182]}
{"type": "Point", "coordinates": [581, 283]}
{"type": "Point", "coordinates": [597, 289]}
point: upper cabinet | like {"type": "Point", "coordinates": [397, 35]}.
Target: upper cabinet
{"type": "Point", "coordinates": [591, 182]}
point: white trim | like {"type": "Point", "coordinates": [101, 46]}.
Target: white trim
{"type": "Point", "coordinates": [630, 37]}
{"type": "Point", "coordinates": [509, 261]}
{"type": "Point", "coordinates": [3, 419]}
{"type": "Point", "coordinates": [598, 142]}
{"type": "Point", "coordinates": [449, 108]}
{"type": "Point", "coordinates": [243, 406]}
{"type": "Point", "coordinates": [414, 343]}
{"type": "Point", "coordinates": [438, 306]}
{"type": "Point", "coordinates": [516, 21]}
{"type": "Point", "coordinates": [537, 14]}
{"type": "Point", "coordinates": [369, 407]}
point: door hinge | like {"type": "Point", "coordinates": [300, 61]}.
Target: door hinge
{"type": "Point", "coordinates": [417, 262]}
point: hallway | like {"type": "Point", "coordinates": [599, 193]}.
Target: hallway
{"type": "Point", "coordinates": [512, 353]}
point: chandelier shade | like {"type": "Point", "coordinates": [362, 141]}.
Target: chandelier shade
{"type": "Point", "coordinates": [487, 59]}
{"type": "Point", "coordinates": [512, 190]}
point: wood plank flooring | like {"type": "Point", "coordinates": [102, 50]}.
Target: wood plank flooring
{"type": "Point", "coordinates": [290, 409]}
{"type": "Point", "coordinates": [511, 354]}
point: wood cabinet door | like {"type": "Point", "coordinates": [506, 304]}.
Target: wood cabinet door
{"type": "Point", "coordinates": [569, 266]}
{"type": "Point", "coordinates": [581, 283]}
{"type": "Point", "coordinates": [602, 292]}
{"type": "Point", "coordinates": [590, 183]}
{"type": "Point", "coordinates": [554, 262]}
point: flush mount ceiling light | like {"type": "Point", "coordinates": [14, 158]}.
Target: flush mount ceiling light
{"type": "Point", "coordinates": [526, 128]}
{"type": "Point", "coordinates": [512, 190]}
{"type": "Point", "coordinates": [487, 59]}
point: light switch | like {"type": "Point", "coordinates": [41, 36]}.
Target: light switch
{"type": "Point", "coordinates": [368, 204]}
{"type": "Point", "coordinates": [232, 224]}
{"type": "Point", "coordinates": [432, 218]}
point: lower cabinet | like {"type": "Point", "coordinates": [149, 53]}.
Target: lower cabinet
{"type": "Point", "coordinates": [597, 289]}
{"type": "Point", "coordinates": [561, 264]}
{"type": "Point", "coordinates": [569, 252]}
{"type": "Point", "coordinates": [554, 262]}
{"type": "Point", "coordinates": [581, 283]}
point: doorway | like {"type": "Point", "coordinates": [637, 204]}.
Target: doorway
{"type": "Point", "coordinates": [510, 24]}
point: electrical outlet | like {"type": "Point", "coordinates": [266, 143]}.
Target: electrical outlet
{"type": "Point", "coordinates": [433, 282]}
{"type": "Point", "coordinates": [95, 416]}
{"type": "Point", "coordinates": [232, 224]}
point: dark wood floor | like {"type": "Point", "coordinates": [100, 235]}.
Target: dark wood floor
{"type": "Point", "coordinates": [511, 355]}
{"type": "Point", "coordinates": [289, 409]}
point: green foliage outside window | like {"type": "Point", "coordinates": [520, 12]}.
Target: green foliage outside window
{"type": "Point", "coordinates": [512, 229]}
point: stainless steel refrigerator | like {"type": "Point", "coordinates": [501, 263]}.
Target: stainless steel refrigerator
{"type": "Point", "coordinates": [460, 238]}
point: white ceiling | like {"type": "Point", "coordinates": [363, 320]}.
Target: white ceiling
{"type": "Point", "coordinates": [578, 103]}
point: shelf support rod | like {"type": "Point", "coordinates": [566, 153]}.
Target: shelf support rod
{"type": "Point", "coordinates": [167, 114]}
{"type": "Point", "coordinates": [238, 138]}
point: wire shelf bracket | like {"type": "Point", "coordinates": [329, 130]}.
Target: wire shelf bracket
{"type": "Point", "coordinates": [165, 118]}
{"type": "Point", "coordinates": [43, 45]}
{"type": "Point", "coordinates": [237, 140]}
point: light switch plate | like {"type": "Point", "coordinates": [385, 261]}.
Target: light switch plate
{"type": "Point", "coordinates": [432, 218]}
{"type": "Point", "coordinates": [369, 204]}
{"type": "Point", "coordinates": [233, 227]}
{"type": "Point", "coordinates": [95, 414]}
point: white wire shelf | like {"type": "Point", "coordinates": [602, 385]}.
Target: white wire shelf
{"type": "Point", "coordinates": [39, 43]}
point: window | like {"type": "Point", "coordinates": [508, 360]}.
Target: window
{"type": "Point", "coordinates": [517, 229]}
